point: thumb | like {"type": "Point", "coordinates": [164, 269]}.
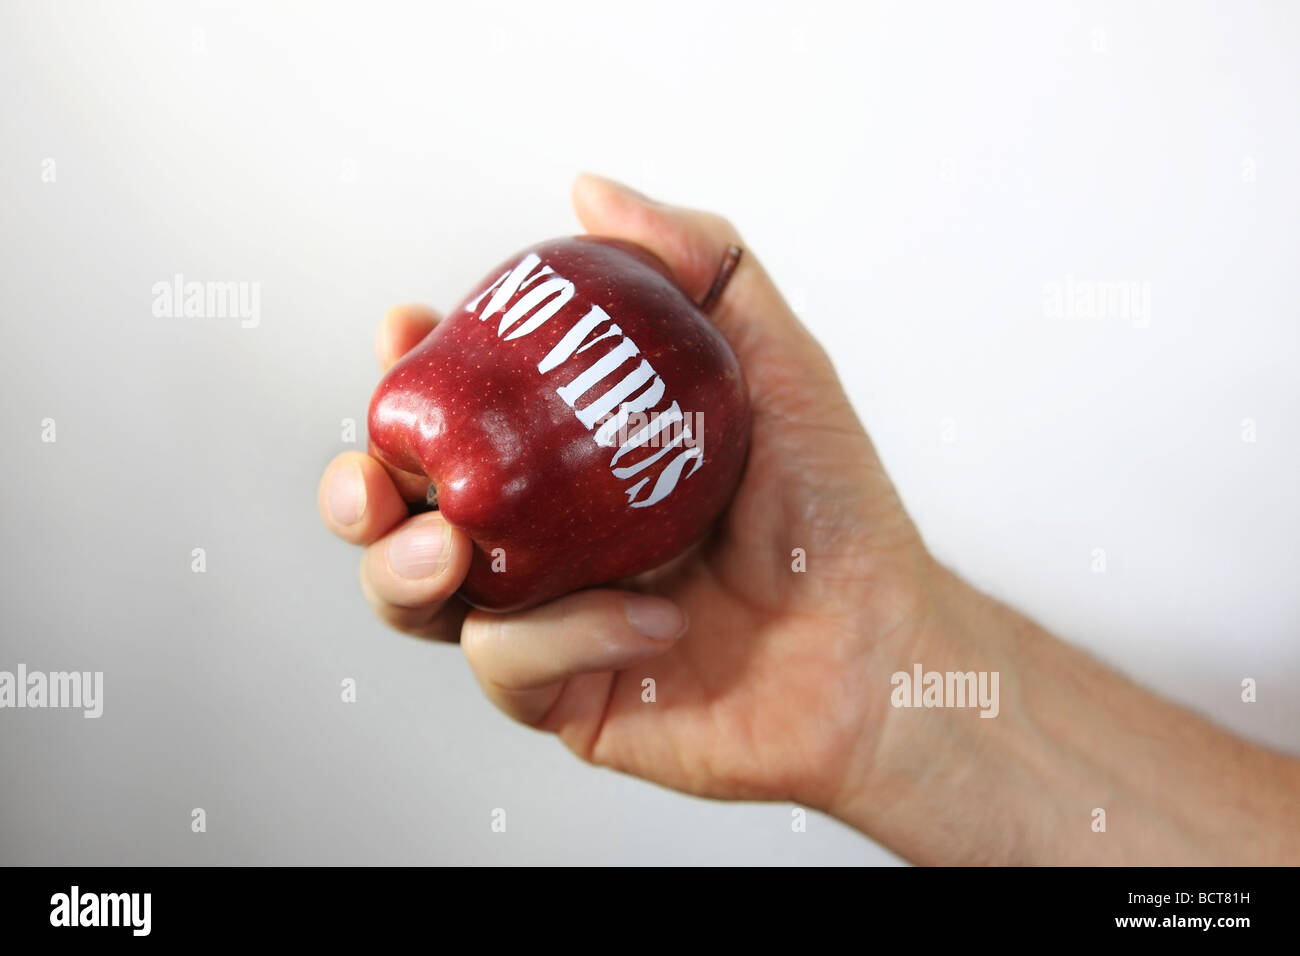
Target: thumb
{"type": "Point", "coordinates": [790, 375]}
{"type": "Point", "coordinates": [751, 312]}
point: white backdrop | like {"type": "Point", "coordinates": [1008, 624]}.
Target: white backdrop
{"type": "Point", "coordinates": [921, 179]}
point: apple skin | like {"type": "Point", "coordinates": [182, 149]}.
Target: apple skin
{"type": "Point", "coordinates": [513, 465]}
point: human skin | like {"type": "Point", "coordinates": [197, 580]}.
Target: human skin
{"type": "Point", "coordinates": [773, 684]}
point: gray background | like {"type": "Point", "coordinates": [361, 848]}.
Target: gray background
{"type": "Point", "coordinates": [912, 174]}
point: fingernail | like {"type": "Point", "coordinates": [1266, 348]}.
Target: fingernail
{"type": "Point", "coordinates": [655, 617]}
{"type": "Point", "coordinates": [419, 550]}
{"type": "Point", "coordinates": [347, 495]}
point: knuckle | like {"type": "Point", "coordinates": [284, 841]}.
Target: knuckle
{"type": "Point", "coordinates": [478, 635]}
{"type": "Point", "coordinates": [720, 226]}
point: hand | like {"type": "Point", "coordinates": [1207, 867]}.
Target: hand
{"type": "Point", "coordinates": [769, 682]}
{"type": "Point", "coordinates": [774, 684]}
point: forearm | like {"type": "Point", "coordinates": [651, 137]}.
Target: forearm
{"type": "Point", "coordinates": [1071, 737]}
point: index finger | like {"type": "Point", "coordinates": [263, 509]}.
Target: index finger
{"type": "Point", "coordinates": [402, 329]}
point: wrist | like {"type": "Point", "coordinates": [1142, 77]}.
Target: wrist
{"type": "Point", "coordinates": [933, 787]}
{"type": "Point", "coordinates": [1071, 736]}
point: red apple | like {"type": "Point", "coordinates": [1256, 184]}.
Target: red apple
{"type": "Point", "coordinates": [578, 417]}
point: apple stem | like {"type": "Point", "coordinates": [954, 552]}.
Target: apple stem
{"type": "Point", "coordinates": [431, 497]}
{"type": "Point", "coordinates": [730, 260]}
